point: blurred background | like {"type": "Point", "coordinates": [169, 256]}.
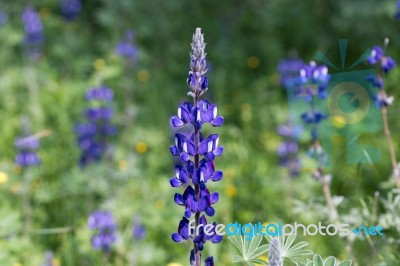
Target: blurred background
{"type": "Point", "coordinates": [52, 52]}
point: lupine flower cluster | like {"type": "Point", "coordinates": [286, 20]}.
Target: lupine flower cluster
{"type": "Point", "coordinates": [93, 136]}
{"type": "Point", "coordinates": [397, 16]}
{"type": "Point", "coordinates": [49, 259]}
{"type": "Point", "coordinates": [126, 47]}
{"type": "Point", "coordinates": [27, 147]}
{"type": "Point", "coordinates": [288, 70]}
{"type": "Point", "coordinates": [385, 63]}
{"type": "Point", "coordinates": [104, 224]}
{"type": "Point", "coordinates": [138, 229]}
{"type": "Point", "coordinates": [313, 81]}
{"type": "Point", "coordinates": [288, 149]}
{"type": "Point", "coordinates": [3, 18]}
{"type": "Point", "coordinates": [197, 154]}
{"type": "Point", "coordinates": [382, 100]}
{"type": "Point", "coordinates": [70, 8]}
{"type": "Point", "coordinates": [33, 31]}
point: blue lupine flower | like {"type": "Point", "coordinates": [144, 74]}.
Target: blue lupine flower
{"type": "Point", "coordinates": [33, 31]}
{"type": "Point", "coordinates": [49, 259]}
{"type": "Point", "coordinates": [201, 238]}
{"type": "Point", "coordinates": [376, 81]}
{"type": "Point", "coordinates": [382, 100]}
{"type": "Point", "coordinates": [101, 93]}
{"type": "Point", "coordinates": [311, 77]}
{"type": "Point", "coordinates": [138, 230]}
{"type": "Point", "coordinates": [197, 155]}
{"type": "Point", "coordinates": [377, 56]}
{"type": "Point", "coordinates": [27, 147]}
{"type": "Point", "coordinates": [3, 18]}
{"type": "Point", "coordinates": [126, 47]}
{"type": "Point", "coordinates": [183, 231]}
{"type": "Point", "coordinates": [209, 261]}
{"type": "Point", "coordinates": [288, 131]}
{"type": "Point", "coordinates": [287, 149]}
{"type": "Point", "coordinates": [104, 224]}
{"type": "Point", "coordinates": [70, 9]}
{"type": "Point", "coordinates": [313, 117]}
{"type": "Point", "coordinates": [397, 16]}
{"type": "Point", "coordinates": [92, 136]}
{"type": "Point", "coordinates": [313, 81]}
{"type": "Point", "coordinates": [288, 70]}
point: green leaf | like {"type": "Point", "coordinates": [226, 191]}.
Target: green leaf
{"type": "Point", "coordinates": [259, 261]}
{"type": "Point", "coordinates": [331, 261]}
{"type": "Point", "coordinates": [259, 251]}
{"type": "Point", "coordinates": [238, 242]}
{"type": "Point", "coordinates": [317, 261]}
{"type": "Point", "coordinates": [237, 259]}
{"type": "Point", "coordinates": [345, 263]}
{"type": "Point", "coordinates": [255, 242]}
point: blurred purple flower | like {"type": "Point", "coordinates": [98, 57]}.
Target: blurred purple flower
{"type": "Point", "coordinates": [386, 63]}
{"type": "Point", "coordinates": [33, 31]}
{"type": "Point", "coordinates": [104, 224]}
{"type": "Point", "coordinates": [288, 149]}
{"type": "Point", "coordinates": [138, 230]}
{"type": "Point", "coordinates": [70, 9]}
{"type": "Point", "coordinates": [27, 147]}
{"type": "Point", "coordinates": [126, 47]}
{"type": "Point", "coordinates": [3, 18]}
{"type": "Point", "coordinates": [397, 16]}
{"type": "Point", "coordinates": [377, 56]}
{"type": "Point", "coordinates": [92, 136]}
{"type": "Point", "coordinates": [288, 70]}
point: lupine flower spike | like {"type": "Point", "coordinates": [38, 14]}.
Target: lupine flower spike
{"type": "Point", "coordinates": [126, 47]}
{"type": "Point", "coordinates": [93, 136]}
{"type": "Point", "coordinates": [33, 32]}
{"type": "Point", "coordinates": [288, 71]}
{"type": "Point", "coordinates": [197, 154]}
{"type": "Point", "coordinates": [312, 83]}
{"type": "Point", "coordinates": [275, 254]}
{"type": "Point", "coordinates": [382, 100]}
{"type": "Point", "coordinates": [104, 225]}
{"type": "Point", "coordinates": [70, 9]}
{"type": "Point", "coordinates": [288, 149]}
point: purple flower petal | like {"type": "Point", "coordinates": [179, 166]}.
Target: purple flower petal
{"type": "Point", "coordinates": [177, 238]}
{"type": "Point", "coordinates": [175, 182]}
{"type": "Point", "coordinates": [217, 176]}
{"type": "Point", "coordinates": [214, 197]}
{"type": "Point", "coordinates": [218, 121]}
{"type": "Point", "coordinates": [178, 198]}
{"type": "Point", "coordinates": [176, 122]}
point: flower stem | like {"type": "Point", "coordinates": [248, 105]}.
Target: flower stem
{"type": "Point", "coordinates": [196, 186]}
{"type": "Point", "coordinates": [390, 145]}
{"type": "Point", "coordinates": [334, 213]}
{"type": "Point", "coordinates": [26, 206]}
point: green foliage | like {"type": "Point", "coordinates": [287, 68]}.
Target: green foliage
{"type": "Point", "coordinates": [330, 261]}
{"type": "Point", "coordinates": [249, 250]}
{"type": "Point", "coordinates": [245, 40]}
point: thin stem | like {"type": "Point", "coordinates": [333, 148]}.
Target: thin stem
{"type": "Point", "coordinates": [390, 144]}
{"type": "Point", "coordinates": [334, 213]}
{"type": "Point", "coordinates": [26, 206]}
{"type": "Point", "coordinates": [196, 186]}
